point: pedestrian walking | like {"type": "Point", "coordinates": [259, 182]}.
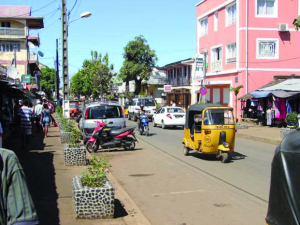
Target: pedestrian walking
{"type": "Point", "coordinates": [45, 119]}
{"type": "Point", "coordinates": [25, 114]}
{"type": "Point", "coordinates": [1, 134]}
{"type": "Point", "coordinates": [38, 111]}
{"type": "Point", "coordinates": [18, 105]}
{"type": "Point", "coordinates": [16, 205]}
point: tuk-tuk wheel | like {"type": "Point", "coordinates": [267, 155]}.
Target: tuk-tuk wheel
{"type": "Point", "coordinates": [224, 157]}
{"type": "Point", "coordinates": [186, 150]}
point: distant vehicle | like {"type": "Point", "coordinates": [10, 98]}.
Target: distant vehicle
{"type": "Point", "coordinates": [169, 116]}
{"type": "Point", "coordinates": [100, 112]}
{"type": "Point", "coordinates": [74, 109]}
{"type": "Point", "coordinates": [135, 108]}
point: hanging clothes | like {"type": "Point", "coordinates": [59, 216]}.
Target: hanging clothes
{"type": "Point", "coordinates": [288, 107]}
{"type": "Point", "coordinates": [269, 117]}
{"type": "Point", "coordinates": [282, 109]}
{"type": "Point", "coordinates": [276, 105]}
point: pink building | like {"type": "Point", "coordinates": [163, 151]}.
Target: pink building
{"type": "Point", "coordinates": [246, 42]}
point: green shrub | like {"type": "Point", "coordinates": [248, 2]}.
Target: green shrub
{"type": "Point", "coordinates": [292, 119]}
{"type": "Point", "coordinates": [96, 171]}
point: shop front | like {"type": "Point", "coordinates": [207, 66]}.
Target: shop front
{"type": "Point", "coordinates": [181, 97]}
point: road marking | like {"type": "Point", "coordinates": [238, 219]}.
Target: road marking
{"type": "Point", "coordinates": [183, 192]}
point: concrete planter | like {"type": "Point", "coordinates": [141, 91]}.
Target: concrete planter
{"type": "Point", "coordinates": [89, 202]}
{"type": "Point", "coordinates": [74, 156]}
{"type": "Point", "coordinates": [65, 137]}
{"type": "Point", "coordinates": [286, 131]}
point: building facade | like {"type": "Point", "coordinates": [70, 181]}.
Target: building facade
{"type": "Point", "coordinates": [180, 76]}
{"type": "Point", "coordinates": [246, 42]}
{"type": "Point", "coordinates": [17, 48]}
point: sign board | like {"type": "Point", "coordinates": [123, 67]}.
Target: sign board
{"type": "Point", "coordinates": [203, 91]}
{"type": "Point", "coordinates": [167, 88]}
{"type": "Point", "coordinates": [26, 78]}
{"type": "Point", "coordinates": [199, 66]}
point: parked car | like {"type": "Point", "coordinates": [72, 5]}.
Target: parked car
{"type": "Point", "coordinates": [169, 116]}
{"type": "Point", "coordinates": [100, 112]}
{"type": "Point", "coordinates": [134, 108]}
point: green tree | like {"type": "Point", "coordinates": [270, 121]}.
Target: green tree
{"type": "Point", "coordinates": [236, 91]}
{"type": "Point", "coordinates": [48, 81]}
{"type": "Point", "coordinates": [139, 59]}
{"type": "Point", "coordinates": [297, 23]}
{"type": "Point", "coordinates": [95, 77]}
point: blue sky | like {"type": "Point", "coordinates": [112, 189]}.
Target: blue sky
{"type": "Point", "coordinates": [168, 25]}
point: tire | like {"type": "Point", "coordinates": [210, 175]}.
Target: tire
{"type": "Point", "coordinates": [92, 148]}
{"type": "Point", "coordinates": [163, 126]}
{"type": "Point", "coordinates": [186, 151]}
{"type": "Point", "coordinates": [131, 147]}
{"type": "Point", "coordinates": [154, 124]}
{"type": "Point", "coordinates": [224, 157]}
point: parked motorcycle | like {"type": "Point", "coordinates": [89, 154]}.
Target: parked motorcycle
{"type": "Point", "coordinates": [111, 137]}
{"type": "Point", "coordinates": [144, 125]}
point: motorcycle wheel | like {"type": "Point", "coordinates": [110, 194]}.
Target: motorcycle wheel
{"type": "Point", "coordinates": [130, 147]}
{"type": "Point", "coordinates": [90, 147]}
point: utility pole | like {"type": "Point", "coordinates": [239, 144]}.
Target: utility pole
{"type": "Point", "coordinates": [65, 51]}
{"type": "Point", "coordinates": [57, 74]}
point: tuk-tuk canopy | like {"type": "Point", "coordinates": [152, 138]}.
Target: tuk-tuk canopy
{"type": "Point", "coordinates": [200, 107]}
{"type": "Point", "coordinates": [196, 108]}
{"type": "Point", "coordinates": [284, 199]}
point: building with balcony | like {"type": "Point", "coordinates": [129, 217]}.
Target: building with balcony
{"type": "Point", "coordinates": [246, 42]}
{"type": "Point", "coordinates": [16, 45]}
{"type": "Point", "coordinates": [180, 77]}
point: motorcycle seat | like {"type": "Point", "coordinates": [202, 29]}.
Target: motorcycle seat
{"type": "Point", "coordinates": [119, 131]}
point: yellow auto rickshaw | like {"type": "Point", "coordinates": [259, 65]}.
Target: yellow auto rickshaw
{"type": "Point", "coordinates": [209, 129]}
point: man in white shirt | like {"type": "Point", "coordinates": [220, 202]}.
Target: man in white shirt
{"type": "Point", "coordinates": [38, 110]}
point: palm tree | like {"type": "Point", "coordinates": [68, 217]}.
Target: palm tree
{"type": "Point", "coordinates": [236, 91]}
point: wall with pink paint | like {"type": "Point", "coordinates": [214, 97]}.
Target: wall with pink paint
{"type": "Point", "coordinates": [214, 38]}
{"type": "Point", "coordinates": [208, 5]}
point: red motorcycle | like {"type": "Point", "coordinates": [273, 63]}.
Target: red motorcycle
{"type": "Point", "coordinates": [111, 137]}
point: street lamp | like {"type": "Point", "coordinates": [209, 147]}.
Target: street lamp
{"type": "Point", "coordinates": [65, 26]}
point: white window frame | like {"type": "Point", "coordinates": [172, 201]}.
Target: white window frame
{"type": "Point", "coordinates": [227, 52]}
{"type": "Point", "coordinates": [276, 40]}
{"type": "Point", "coordinates": [212, 56]}
{"type": "Point", "coordinates": [200, 27]}
{"type": "Point", "coordinates": [275, 15]}
{"type": "Point", "coordinates": [227, 16]}
{"type": "Point", "coordinates": [216, 21]}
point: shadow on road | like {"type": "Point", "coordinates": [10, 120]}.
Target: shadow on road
{"type": "Point", "coordinates": [234, 156]}
{"type": "Point", "coordinates": [40, 173]}
{"type": "Point", "coordinates": [119, 209]}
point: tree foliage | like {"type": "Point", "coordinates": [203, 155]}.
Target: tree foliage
{"type": "Point", "coordinates": [236, 91]}
{"type": "Point", "coordinates": [139, 59]}
{"type": "Point", "coordinates": [48, 81]}
{"type": "Point", "coordinates": [95, 77]}
{"type": "Point", "coordinates": [297, 23]}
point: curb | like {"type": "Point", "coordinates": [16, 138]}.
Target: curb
{"type": "Point", "coordinates": [259, 139]}
{"type": "Point", "coordinates": [135, 215]}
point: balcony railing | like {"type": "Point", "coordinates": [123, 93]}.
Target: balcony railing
{"type": "Point", "coordinates": [8, 31]}
{"type": "Point", "coordinates": [231, 60]}
{"type": "Point", "coordinates": [216, 66]}
{"type": "Point", "coordinates": [179, 82]}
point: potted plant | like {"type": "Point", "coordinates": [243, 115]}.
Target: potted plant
{"type": "Point", "coordinates": [74, 152]}
{"type": "Point", "coordinates": [292, 123]}
{"type": "Point", "coordinates": [93, 194]}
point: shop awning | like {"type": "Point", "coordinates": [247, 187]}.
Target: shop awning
{"type": "Point", "coordinates": [287, 85]}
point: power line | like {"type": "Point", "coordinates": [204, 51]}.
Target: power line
{"type": "Point", "coordinates": [77, 8]}
{"type": "Point", "coordinates": [72, 9]}
{"type": "Point", "coordinates": [50, 25]}
{"type": "Point", "coordinates": [47, 20]}
{"type": "Point", "coordinates": [35, 10]}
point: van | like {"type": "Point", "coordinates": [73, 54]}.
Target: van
{"type": "Point", "coordinates": [135, 108]}
{"type": "Point", "coordinates": [101, 112]}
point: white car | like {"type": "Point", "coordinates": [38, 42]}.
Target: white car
{"type": "Point", "coordinates": [169, 116]}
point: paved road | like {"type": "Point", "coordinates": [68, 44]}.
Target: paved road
{"type": "Point", "coordinates": [171, 188]}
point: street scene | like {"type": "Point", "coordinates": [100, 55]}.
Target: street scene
{"type": "Point", "coordinates": [139, 113]}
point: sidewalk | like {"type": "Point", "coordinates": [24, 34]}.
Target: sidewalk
{"type": "Point", "coordinates": [266, 134]}
{"type": "Point", "coordinates": [50, 184]}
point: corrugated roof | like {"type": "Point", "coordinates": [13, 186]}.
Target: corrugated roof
{"type": "Point", "coordinates": [14, 11]}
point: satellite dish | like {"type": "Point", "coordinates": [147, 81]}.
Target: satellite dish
{"type": "Point", "coordinates": [31, 45]}
{"type": "Point", "coordinates": [41, 54]}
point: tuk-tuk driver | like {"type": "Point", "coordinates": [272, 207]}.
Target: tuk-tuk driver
{"type": "Point", "coordinates": [196, 125]}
